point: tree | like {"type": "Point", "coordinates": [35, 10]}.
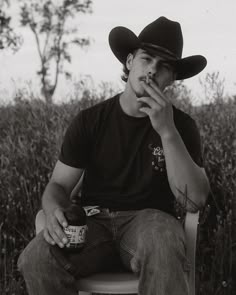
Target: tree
{"type": "Point", "coordinates": [8, 38]}
{"type": "Point", "coordinates": [49, 22]}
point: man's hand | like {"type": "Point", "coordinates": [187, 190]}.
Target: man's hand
{"type": "Point", "coordinates": [160, 109]}
{"type": "Point", "coordinates": [53, 231]}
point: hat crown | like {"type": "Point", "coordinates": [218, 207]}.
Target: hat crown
{"type": "Point", "coordinates": [162, 37]}
{"type": "Point", "coordinates": [164, 33]}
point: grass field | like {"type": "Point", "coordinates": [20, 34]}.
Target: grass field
{"type": "Point", "coordinates": [31, 135]}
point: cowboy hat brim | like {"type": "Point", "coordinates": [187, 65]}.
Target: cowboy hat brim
{"type": "Point", "coordinates": [123, 41]}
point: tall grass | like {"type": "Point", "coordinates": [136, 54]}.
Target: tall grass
{"type": "Point", "coordinates": [218, 129]}
{"type": "Point", "coordinates": [31, 135]}
{"type": "Point", "coordinates": [216, 251]}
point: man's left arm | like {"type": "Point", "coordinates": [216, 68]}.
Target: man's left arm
{"type": "Point", "coordinates": [187, 180]}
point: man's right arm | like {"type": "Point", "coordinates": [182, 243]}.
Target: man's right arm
{"type": "Point", "coordinates": [55, 199]}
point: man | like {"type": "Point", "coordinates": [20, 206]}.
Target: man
{"type": "Point", "coordinates": [139, 155]}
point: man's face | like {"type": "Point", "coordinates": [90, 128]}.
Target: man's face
{"type": "Point", "coordinates": [142, 64]}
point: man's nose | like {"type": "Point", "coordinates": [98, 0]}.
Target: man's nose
{"type": "Point", "coordinates": [152, 74]}
{"type": "Point", "coordinates": [152, 71]}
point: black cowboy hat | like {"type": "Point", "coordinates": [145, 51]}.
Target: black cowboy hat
{"type": "Point", "coordinates": [163, 37]}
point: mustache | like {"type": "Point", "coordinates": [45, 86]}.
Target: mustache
{"type": "Point", "coordinates": [147, 79]}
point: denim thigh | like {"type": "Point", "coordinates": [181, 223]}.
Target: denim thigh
{"type": "Point", "coordinates": [148, 229]}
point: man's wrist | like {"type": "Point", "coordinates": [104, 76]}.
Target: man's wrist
{"type": "Point", "coordinates": [170, 135]}
{"type": "Point", "coordinates": [49, 209]}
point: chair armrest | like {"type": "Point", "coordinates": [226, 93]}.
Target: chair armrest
{"type": "Point", "coordinates": [39, 221]}
{"type": "Point", "coordinates": [190, 228]}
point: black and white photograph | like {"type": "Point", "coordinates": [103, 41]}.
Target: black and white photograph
{"type": "Point", "coordinates": [117, 147]}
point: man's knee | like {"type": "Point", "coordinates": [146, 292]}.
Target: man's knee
{"type": "Point", "coordinates": [43, 271]}
{"type": "Point", "coordinates": [35, 255]}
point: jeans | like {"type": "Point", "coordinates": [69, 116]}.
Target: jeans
{"type": "Point", "coordinates": [148, 242]}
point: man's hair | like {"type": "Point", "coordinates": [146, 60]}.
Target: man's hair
{"type": "Point", "coordinates": [125, 74]}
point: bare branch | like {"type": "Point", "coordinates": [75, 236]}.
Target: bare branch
{"type": "Point", "coordinates": [8, 38]}
{"type": "Point", "coordinates": [48, 21]}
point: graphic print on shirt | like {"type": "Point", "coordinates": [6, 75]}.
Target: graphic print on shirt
{"type": "Point", "coordinates": [158, 157]}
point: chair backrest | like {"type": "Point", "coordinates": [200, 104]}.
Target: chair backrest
{"type": "Point", "coordinates": [191, 227]}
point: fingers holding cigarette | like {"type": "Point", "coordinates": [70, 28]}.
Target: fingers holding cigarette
{"type": "Point", "coordinates": [148, 78]}
{"type": "Point", "coordinates": [155, 91]}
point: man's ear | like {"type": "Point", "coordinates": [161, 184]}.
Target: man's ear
{"type": "Point", "coordinates": [129, 61]}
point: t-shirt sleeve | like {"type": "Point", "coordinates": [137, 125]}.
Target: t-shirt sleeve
{"type": "Point", "coordinates": [75, 148]}
{"type": "Point", "coordinates": [192, 140]}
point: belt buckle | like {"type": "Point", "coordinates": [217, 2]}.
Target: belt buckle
{"type": "Point", "coordinates": [92, 210]}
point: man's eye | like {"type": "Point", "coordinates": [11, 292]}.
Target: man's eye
{"type": "Point", "coordinates": [147, 58]}
{"type": "Point", "coordinates": [166, 66]}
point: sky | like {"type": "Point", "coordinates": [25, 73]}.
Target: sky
{"type": "Point", "coordinates": [208, 28]}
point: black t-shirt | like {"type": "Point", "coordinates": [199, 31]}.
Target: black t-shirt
{"type": "Point", "coordinates": [123, 157]}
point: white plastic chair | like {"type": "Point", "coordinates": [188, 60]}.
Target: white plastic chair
{"type": "Point", "coordinates": [126, 282]}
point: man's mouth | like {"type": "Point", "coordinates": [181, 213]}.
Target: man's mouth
{"type": "Point", "coordinates": [146, 79]}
